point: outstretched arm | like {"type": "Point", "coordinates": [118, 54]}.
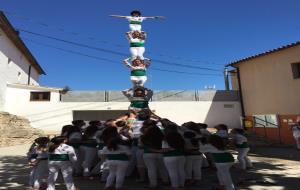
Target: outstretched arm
{"type": "Point", "coordinates": [118, 16]}
{"type": "Point", "coordinates": [127, 92]}
{"type": "Point", "coordinates": [127, 63]}
{"type": "Point", "coordinates": [147, 62]}
{"type": "Point", "coordinates": [154, 17]}
{"type": "Point", "coordinates": [149, 94]}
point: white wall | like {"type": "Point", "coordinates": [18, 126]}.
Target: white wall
{"type": "Point", "coordinates": [51, 116]}
{"type": "Point", "coordinates": [9, 69]}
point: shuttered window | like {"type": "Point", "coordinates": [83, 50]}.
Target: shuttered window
{"type": "Point", "coordinates": [296, 70]}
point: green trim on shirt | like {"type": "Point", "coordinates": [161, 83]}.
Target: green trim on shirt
{"type": "Point", "coordinates": [223, 157]}
{"type": "Point", "coordinates": [59, 157]}
{"type": "Point", "coordinates": [135, 22]}
{"type": "Point", "coordinates": [120, 156]}
{"type": "Point", "coordinates": [173, 153]}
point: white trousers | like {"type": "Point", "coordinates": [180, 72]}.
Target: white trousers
{"type": "Point", "coordinates": [243, 158]}
{"type": "Point", "coordinates": [224, 176]}
{"type": "Point", "coordinates": [66, 170]}
{"type": "Point", "coordinates": [40, 174]}
{"type": "Point", "coordinates": [89, 157]}
{"type": "Point", "coordinates": [32, 176]}
{"type": "Point", "coordinates": [117, 171]}
{"type": "Point", "coordinates": [193, 165]}
{"type": "Point", "coordinates": [134, 27]}
{"type": "Point", "coordinates": [175, 167]}
{"type": "Point", "coordinates": [155, 164]}
{"type": "Point", "coordinates": [132, 161]}
{"type": "Point", "coordinates": [137, 52]}
{"type": "Point", "coordinates": [138, 80]}
{"type": "Point", "coordinates": [298, 142]}
{"type": "Point", "coordinates": [77, 164]}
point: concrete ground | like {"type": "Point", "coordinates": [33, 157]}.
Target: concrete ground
{"type": "Point", "coordinates": [276, 168]}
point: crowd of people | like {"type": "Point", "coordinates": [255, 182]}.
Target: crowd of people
{"type": "Point", "coordinates": [142, 145]}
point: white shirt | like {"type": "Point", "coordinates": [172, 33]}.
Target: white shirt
{"type": "Point", "coordinates": [136, 128]}
{"type": "Point", "coordinates": [296, 131]}
{"type": "Point", "coordinates": [135, 18]}
{"type": "Point", "coordinates": [65, 149]}
{"type": "Point", "coordinates": [121, 150]}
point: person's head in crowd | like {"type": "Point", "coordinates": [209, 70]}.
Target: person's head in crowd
{"type": "Point", "coordinates": [56, 142]}
{"type": "Point", "coordinates": [221, 127]}
{"type": "Point", "coordinates": [217, 142]}
{"type": "Point", "coordinates": [112, 143]}
{"type": "Point", "coordinates": [108, 133]}
{"type": "Point", "coordinates": [78, 123]}
{"type": "Point", "coordinates": [152, 137]}
{"type": "Point", "coordinates": [174, 139]}
{"type": "Point", "coordinates": [96, 123]}
{"type": "Point", "coordinates": [237, 131]}
{"type": "Point", "coordinates": [65, 130]}
{"type": "Point", "coordinates": [170, 127]}
{"type": "Point", "coordinates": [110, 123]}
{"type": "Point", "coordinates": [90, 131]}
{"type": "Point", "coordinates": [192, 126]}
{"type": "Point", "coordinates": [132, 114]}
{"type": "Point", "coordinates": [73, 129]}
{"type": "Point", "coordinates": [202, 125]}
{"type": "Point", "coordinates": [42, 142]}
{"type": "Point", "coordinates": [166, 122]}
{"type": "Point", "coordinates": [149, 123]}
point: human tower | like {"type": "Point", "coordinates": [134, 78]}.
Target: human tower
{"type": "Point", "coordinates": [138, 95]}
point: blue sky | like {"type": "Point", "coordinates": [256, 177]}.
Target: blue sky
{"type": "Point", "coordinates": [207, 33]}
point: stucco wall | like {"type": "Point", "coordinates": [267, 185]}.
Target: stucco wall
{"type": "Point", "coordinates": [268, 85]}
{"type": "Point", "coordinates": [50, 116]}
{"type": "Point", "coordinates": [9, 69]}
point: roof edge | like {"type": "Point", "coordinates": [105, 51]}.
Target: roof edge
{"type": "Point", "coordinates": [232, 64]}
{"type": "Point", "coordinates": [11, 33]}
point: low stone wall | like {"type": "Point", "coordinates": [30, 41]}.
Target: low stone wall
{"type": "Point", "coordinates": [16, 130]}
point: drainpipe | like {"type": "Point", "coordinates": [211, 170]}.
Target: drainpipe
{"type": "Point", "coordinates": [29, 75]}
{"type": "Point", "coordinates": [240, 95]}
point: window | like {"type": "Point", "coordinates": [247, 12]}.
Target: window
{"type": "Point", "coordinates": [296, 70]}
{"type": "Point", "coordinates": [265, 121]}
{"type": "Point", "coordinates": [39, 96]}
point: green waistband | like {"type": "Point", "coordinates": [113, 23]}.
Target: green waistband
{"type": "Point", "coordinates": [135, 22]}
{"type": "Point", "coordinates": [139, 104]}
{"type": "Point", "coordinates": [138, 72]}
{"type": "Point", "coordinates": [243, 145]}
{"type": "Point", "coordinates": [173, 153]}
{"type": "Point", "coordinates": [59, 157]}
{"type": "Point", "coordinates": [122, 157]}
{"type": "Point", "coordinates": [222, 157]}
{"type": "Point", "coordinates": [137, 44]}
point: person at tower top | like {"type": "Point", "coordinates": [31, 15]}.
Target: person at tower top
{"type": "Point", "coordinates": [139, 98]}
{"type": "Point", "coordinates": [138, 69]}
{"type": "Point", "coordinates": [135, 19]}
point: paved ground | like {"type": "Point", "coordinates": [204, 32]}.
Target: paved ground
{"type": "Point", "coordinates": [275, 169]}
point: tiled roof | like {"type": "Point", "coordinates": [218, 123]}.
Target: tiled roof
{"type": "Point", "coordinates": [264, 53]}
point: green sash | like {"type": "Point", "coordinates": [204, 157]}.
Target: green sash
{"type": "Point", "coordinates": [135, 22]}
{"type": "Point", "coordinates": [121, 156]}
{"type": "Point", "coordinates": [137, 44]}
{"type": "Point", "coordinates": [139, 104]}
{"type": "Point", "coordinates": [223, 157]}
{"type": "Point", "coordinates": [173, 153]}
{"type": "Point", "coordinates": [59, 157]}
{"type": "Point", "coordinates": [138, 72]}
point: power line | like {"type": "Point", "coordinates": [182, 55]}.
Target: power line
{"type": "Point", "coordinates": [114, 61]}
{"type": "Point", "coordinates": [114, 52]}
{"type": "Point", "coordinates": [60, 29]}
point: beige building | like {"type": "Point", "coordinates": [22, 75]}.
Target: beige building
{"type": "Point", "coordinates": [269, 85]}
